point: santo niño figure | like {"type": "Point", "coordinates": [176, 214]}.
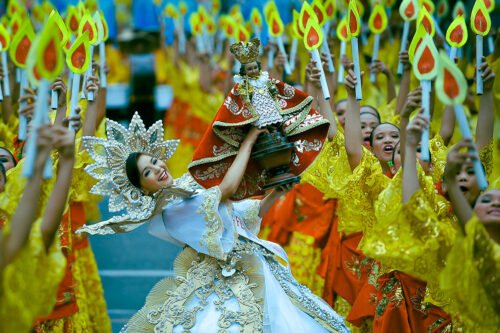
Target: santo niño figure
{"type": "Point", "coordinates": [257, 100]}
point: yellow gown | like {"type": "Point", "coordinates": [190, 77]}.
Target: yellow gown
{"type": "Point", "coordinates": [470, 279]}
{"type": "Point", "coordinates": [29, 282]}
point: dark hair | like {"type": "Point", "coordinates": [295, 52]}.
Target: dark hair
{"type": "Point", "coordinates": [242, 68]}
{"type": "Point", "coordinates": [132, 170]}
{"type": "Point", "coordinates": [377, 114]}
{"type": "Point", "coordinates": [2, 170]}
{"type": "Point", "coordinates": [340, 101]}
{"type": "Point", "coordinates": [10, 154]}
{"type": "Point", "coordinates": [371, 134]}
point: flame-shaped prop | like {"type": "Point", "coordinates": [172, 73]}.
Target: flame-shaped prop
{"type": "Point", "coordinates": [480, 23]}
{"type": "Point", "coordinates": [456, 35]}
{"type": "Point", "coordinates": [306, 12]}
{"type": "Point", "coordinates": [320, 12]}
{"type": "Point", "coordinates": [377, 23]}
{"type": "Point", "coordinates": [87, 24]}
{"type": "Point", "coordinates": [73, 19]}
{"type": "Point", "coordinates": [458, 9]}
{"type": "Point", "coordinates": [15, 23]}
{"type": "Point", "coordinates": [429, 6]}
{"type": "Point", "coordinates": [425, 19]}
{"type": "Point", "coordinates": [256, 18]}
{"type": "Point", "coordinates": [451, 89]}
{"type": "Point", "coordinates": [442, 8]}
{"type": "Point", "coordinates": [276, 29]}
{"type": "Point", "coordinates": [330, 9]}
{"type": "Point", "coordinates": [313, 38]}
{"type": "Point", "coordinates": [409, 11]}
{"type": "Point", "coordinates": [425, 67]}
{"type": "Point", "coordinates": [354, 28]}
{"type": "Point", "coordinates": [415, 42]}
{"type": "Point", "coordinates": [343, 36]}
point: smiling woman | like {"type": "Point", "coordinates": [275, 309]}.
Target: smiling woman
{"type": "Point", "coordinates": [147, 172]}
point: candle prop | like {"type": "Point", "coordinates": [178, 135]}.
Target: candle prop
{"type": "Point", "coordinates": [269, 8]}
{"type": "Point", "coordinates": [330, 11]}
{"type": "Point", "coordinates": [429, 6]}
{"type": "Point", "coordinates": [63, 37]}
{"type": "Point", "coordinates": [276, 29]}
{"type": "Point", "coordinates": [203, 20]}
{"type": "Point", "coordinates": [256, 19]}
{"type": "Point", "coordinates": [416, 41]}
{"type": "Point", "coordinates": [102, 49]}
{"type": "Point", "coordinates": [442, 8]}
{"type": "Point", "coordinates": [44, 63]}
{"type": "Point", "coordinates": [456, 35]}
{"type": "Point", "coordinates": [313, 37]}
{"type": "Point", "coordinates": [451, 89]}
{"type": "Point", "coordinates": [354, 28]}
{"type": "Point", "coordinates": [343, 36]}
{"type": "Point", "coordinates": [409, 11]}
{"type": "Point", "coordinates": [243, 34]}
{"type": "Point", "coordinates": [425, 69]}
{"type": "Point", "coordinates": [480, 23]}
{"type": "Point", "coordinates": [20, 46]}
{"type": "Point", "coordinates": [196, 30]}
{"type": "Point", "coordinates": [78, 60]}
{"type": "Point", "coordinates": [88, 25]}
{"type": "Point", "coordinates": [458, 9]}
{"type": "Point", "coordinates": [4, 46]}
{"type": "Point", "coordinates": [296, 34]}
{"type": "Point", "coordinates": [377, 24]}
{"type": "Point", "coordinates": [425, 20]}
{"type": "Point", "coordinates": [320, 12]}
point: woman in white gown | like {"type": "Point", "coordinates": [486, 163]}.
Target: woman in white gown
{"type": "Point", "coordinates": [227, 279]}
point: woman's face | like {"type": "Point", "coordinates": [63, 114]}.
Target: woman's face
{"type": "Point", "coordinates": [466, 180]}
{"type": "Point", "coordinates": [153, 174]}
{"type": "Point", "coordinates": [6, 159]}
{"type": "Point", "coordinates": [488, 206]}
{"type": "Point", "coordinates": [368, 123]}
{"type": "Point", "coordinates": [385, 138]}
{"type": "Point", "coordinates": [252, 70]}
{"type": "Point", "coordinates": [340, 110]}
{"type": "Point", "coordinates": [426, 166]}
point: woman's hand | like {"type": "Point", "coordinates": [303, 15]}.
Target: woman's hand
{"type": "Point", "coordinates": [413, 101]}
{"type": "Point", "coordinates": [30, 98]}
{"type": "Point", "coordinates": [252, 136]}
{"type": "Point", "coordinates": [350, 82]}
{"type": "Point", "coordinates": [379, 67]}
{"type": "Point", "coordinates": [458, 155]}
{"type": "Point", "coordinates": [59, 86]}
{"type": "Point", "coordinates": [415, 128]}
{"type": "Point", "coordinates": [64, 142]}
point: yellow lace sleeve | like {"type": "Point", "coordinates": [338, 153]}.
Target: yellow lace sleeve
{"type": "Point", "coordinates": [413, 237]}
{"type": "Point", "coordinates": [438, 151]}
{"type": "Point", "coordinates": [486, 157]}
{"type": "Point", "coordinates": [30, 282]}
{"type": "Point", "coordinates": [471, 279]}
{"type": "Point", "coordinates": [329, 167]}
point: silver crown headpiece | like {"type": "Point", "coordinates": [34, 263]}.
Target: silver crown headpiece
{"type": "Point", "coordinates": [110, 156]}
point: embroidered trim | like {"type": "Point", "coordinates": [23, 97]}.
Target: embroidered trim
{"type": "Point", "coordinates": [209, 209]}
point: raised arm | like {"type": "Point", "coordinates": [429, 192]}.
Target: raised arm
{"type": "Point", "coordinates": [404, 85]}
{"type": "Point", "coordinates": [27, 208]}
{"type": "Point", "coordinates": [413, 135]}
{"type": "Point", "coordinates": [64, 141]}
{"type": "Point", "coordinates": [313, 75]}
{"type": "Point", "coordinates": [486, 117]}
{"type": "Point", "coordinates": [352, 132]}
{"type": "Point", "coordinates": [412, 102]}
{"type": "Point", "coordinates": [234, 175]}
{"type": "Point", "coordinates": [379, 67]}
{"type": "Point", "coordinates": [59, 86]}
{"type": "Point", "coordinates": [90, 121]}
{"type": "Point", "coordinates": [454, 162]}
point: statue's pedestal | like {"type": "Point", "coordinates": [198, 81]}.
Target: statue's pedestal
{"type": "Point", "coordinates": [273, 153]}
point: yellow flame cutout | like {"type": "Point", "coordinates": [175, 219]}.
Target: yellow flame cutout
{"type": "Point", "coordinates": [4, 38]}
{"type": "Point", "coordinates": [425, 19]}
{"type": "Point", "coordinates": [21, 43]}
{"type": "Point", "coordinates": [256, 18]}
{"type": "Point", "coordinates": [480, 20]}
{"type": "Point", "coordinates": [378, 19]}
{"type": "Point", "coordinates": [313, 34]}
{"type": "Point", "coordinates": [456, 28]}
{"type": "Point", "coordinates": [320, 12]}
{"type": "Point", "coordinates": [451, 85]}
{"type": "Point", "coordinates": [78, 56]}
{"type": "Point", "coordinates": [415, 42]}
{"type": "Point", "coordinates": [353, 21]}
{"type": "Point", "coordinates": [87, 24]}
{"type": "Point", "coordinates": [330, 8]}
{"type": "Point", "coordinates": [342, 32]}
{"type": "Point", "coordinates": [306, 12]}
{"type": "Point", "coordinates": [276, 27]}
{"type": "Point", "coordinates": [425, 62]}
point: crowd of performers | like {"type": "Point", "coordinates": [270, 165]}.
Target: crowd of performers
{"type": "Point", "coordinates": [392, 244]}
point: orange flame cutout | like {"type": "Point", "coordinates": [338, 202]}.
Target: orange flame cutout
{"type": "Point", "coordinates": [297, 32]}
{"type": "Point", "coordinates": [211, 25]}
{"type": "Point", "coordinates": [183, 8]}
{"type": "Point", "coordinates": [230, 27]}
{"type": "Point", "coordinates": [87, 24]}
{"type": "Point", "coordinates": [243, 34]}
{"type": "Point", "coordinates": [329, 8]}
{"type": "Point", "coordinates": [425, 61]}
{"type": "Point", "coordinates": [62, 31]}
{"type": "Point", "coordinates": [409, 10]}
{"type": "Point", "coordinates": [276, 27]}
{"type": "Point", "coordinates": [353, 21]}
{"type": "Point", "coordinates": [425, 19]}
{"type": "Point", "coordinates": [4, 38]}
{"type": "Point", "coordinates": [73, 19]}
{"type": "Point", "coordinates": [194, 21]}
{"type": "Point", "coordinates": [170, 11]}
{"type": "Point", "coordinates": [105, 28]}
{"type": "Point", "coordinates": [202, 14]}
{"type": "Point", "coordinates": [459, 9]}
{"type": "Point", "coordinates": [15, 23]}
{"type": "Point", "coordinates": [342, 32]}
{"type": "Point", "coordinates": [78, 56]}
{"type": "Point", "coordinates": [48, 50]}
{"type": "Point", "coordinates": [215, 5]}
{"type": "Point", "coordinates": [15, 8]}
{"type": "Point", "coordinates": [256, 18]}
{"type": "Point", "coordinates": [21, 43]}
{"type": "Point", "coordinates": [457, 35]}
{"type": "Point", "coordinates": [480, 19]}
{"type": "Point", "coordinates": [269, 8]}
{"type": "Point", "coordinates": [415, 42]}
{"type": "Point", "coordinates": [306, 12]}
{"type": "Point", "coordinates": [378, 19]}
{"type": "Point", "coordinates": [442, 8]}
{"type": "Point", "coordinates": [490, 5]}
{"type": "Point", "coordinates": [319, 10]}
{"type": "Point", "coordinates": [451, 85]}
{"type": "Point", "coordinates": [313, 35]}
{"type": "Point", "coordinates": [429, 6]}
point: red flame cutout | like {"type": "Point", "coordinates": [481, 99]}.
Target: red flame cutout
{"type": "Point", "coordinates": [23, 49]}
{"type": "Point", "coordinates": [312, 37]}
{"type": "Point", "coordinates": [426, 62]}
{"type": "Point", "coordinates": [410, 10]}
{"type": "Point", "coordinates": [480, 21]}
{"type": "Point", "coordinates": [353, 23]}
{"type": "Point", "coordinates": [78, 57]}
{"type": "Point", "coordinates": [377, 21]}
{"type": "Point", "coordinates": [50, 56]}
{"type": "Point", "coordinates": [329, 10]}
{"type": "Point", "coordinates": [451, 87]}
{"type": "Point", "coordinates": [457, 34]}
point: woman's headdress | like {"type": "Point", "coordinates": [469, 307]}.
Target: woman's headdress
{"type": "Point", "coordinates": [110, 156]}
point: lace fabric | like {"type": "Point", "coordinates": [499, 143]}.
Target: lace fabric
{"type": "Point", "coordinates": [470, 279]}
{"type": "Point", "coordinates": [29, 283]}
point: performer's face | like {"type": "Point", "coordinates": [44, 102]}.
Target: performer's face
{"type": "Point", "coordinates": [488, 206]}
{"type": "Point", "coordinates": [340, 109]}
{"type": "Point", "coordinates": [467, 182]}
{"type": "Point", "coordinates": [426, 166]}
{"type": "Point", "coordinates": [368, 123]}
{"type": "Point", "coordinates": [385, 137]}
{"type": "Point", "coordinates": [6, 159]}
{"type": "Point", "coordinates": [252, 70]}
{"type": "Point", "coordinates": [153, 173]}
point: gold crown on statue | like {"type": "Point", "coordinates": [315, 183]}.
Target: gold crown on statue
{"type": "Point", "coordinates": [246, 52]}
{"type": "Point", "coordinates": [110, 156]}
